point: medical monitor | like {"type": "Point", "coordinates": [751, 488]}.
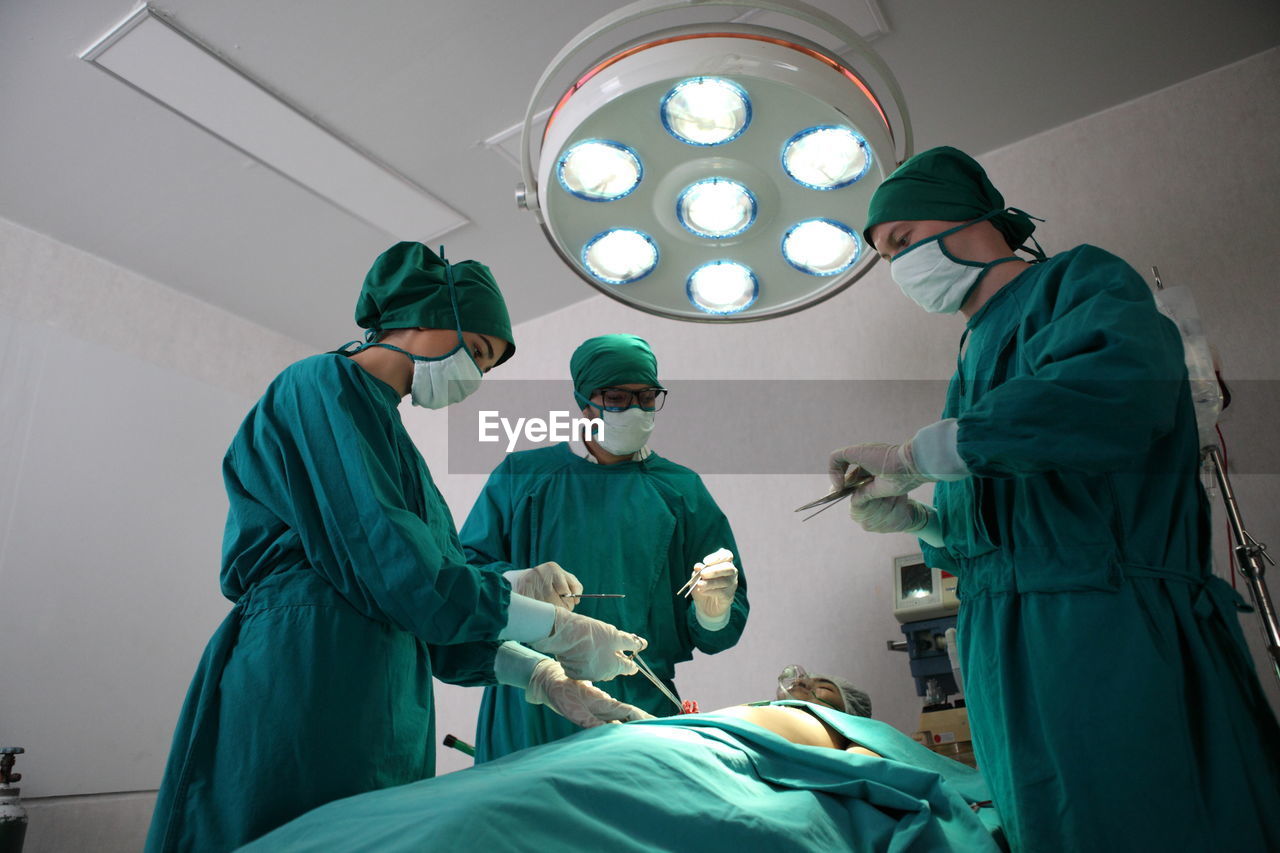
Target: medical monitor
{"type": "Point", "coordinates": [922, 592]}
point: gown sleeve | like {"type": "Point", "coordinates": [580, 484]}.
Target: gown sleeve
{"type": "Point", "coordinates": [709, 531]}
{"type": "Point", "coordinates": [487, 531]}
{"type": "Point", "coordinates": [1104, 371]}
{"type": "Point", "coordinates": [328, 458]}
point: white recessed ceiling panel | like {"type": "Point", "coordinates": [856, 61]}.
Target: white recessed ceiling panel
{"type": "Point", "coordinates": [164, 63]}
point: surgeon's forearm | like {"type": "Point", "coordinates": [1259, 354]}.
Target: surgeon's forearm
{"type": "Point", "coordinates": [931, 533]}
{"type": "Point", "coordinates": [528, 619]}
{"type": "Point", "coordinates": [712, 623]}
{"type": "Point", "coordinates": [514, 664]}
{"type": "Point", "coordinates": [935, 452]}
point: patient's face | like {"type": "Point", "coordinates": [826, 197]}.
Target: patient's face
{"type": "Point", "coordinates": [819, 691]}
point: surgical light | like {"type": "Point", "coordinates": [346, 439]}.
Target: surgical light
{"type": "Point", "coordinates": [821, 247]}
{"type": "Point", "coordinates": [706, 111]}
{"type": "Point", "coordinates": [599, 170]}
{"type": "Point", "coordinates": [620, 256]}
{"type": "Point", "coordinates": [826, 158]}
{"type": "Point", "coordinates": [712, 171]}
{"type": "Point", "coordinates": [716, 208]}
{"type": "Point", "coordinates": [722, 287]}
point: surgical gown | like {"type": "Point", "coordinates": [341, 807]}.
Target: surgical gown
{"type": "Point", "coordinates": [634, 528]}
{"type": "Point", "coordinates": [1112, 699]}
{"type": "Point", "coordinates": [351, 591]}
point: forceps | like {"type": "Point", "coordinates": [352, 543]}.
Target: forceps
{"type": "Point", "coordinates": [655, 681]}
{"type": "Point", "coordinates": [860, 479]}
{"type": "Point", "coordinates": [687, 589]}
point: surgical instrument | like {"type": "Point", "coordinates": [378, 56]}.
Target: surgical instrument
{"type": "Point", "coordinates": [657, 682]}
{"type": "Point", "coordinates": [687, 589]}
{"type": "Point", "coordinates": [829, 500]}
{"type": "Point", "coordinates": [593, 595]}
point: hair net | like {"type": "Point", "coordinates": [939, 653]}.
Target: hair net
{"type": "Point", "coordinates": [945, 184]}
{"type": "Point", "coordinates": [856, 702]}
{"type": "Point", "coordinates": [408, 287]}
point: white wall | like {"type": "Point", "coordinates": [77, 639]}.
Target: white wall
{"type": "Point", "coordinates": [118, 397]}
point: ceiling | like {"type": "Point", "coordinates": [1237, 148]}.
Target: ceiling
{"type": "Point", "coordinates": [91, 162]}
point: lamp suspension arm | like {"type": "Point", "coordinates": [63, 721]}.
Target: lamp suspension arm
{"type": "Point", "coordinates": [1250, 554]}
{"type": "Point", "coordinates": [527, 192]}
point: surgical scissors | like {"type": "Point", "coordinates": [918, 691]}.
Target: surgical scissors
{"type": "Point", "coordinates": [653, 679]}
{"type": "Point", "coordinates": [860, 479]}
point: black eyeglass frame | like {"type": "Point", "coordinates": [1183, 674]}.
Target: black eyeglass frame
{"type": "Point", "coordinates": [632, 398]}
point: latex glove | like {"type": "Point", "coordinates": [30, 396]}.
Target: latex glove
{"type": "Point", "coordinates": [895, 514]}
{"type": "Point", "coordinates": [590, 649]}
{"type": "Point", "coordinates": [579, 702]}
{"type": "Point", "coordinates": [714, 591]}
{"type": "Point", "coordinates": [547, 582]}
{"type": "Point", "coordinates": [895, 471]}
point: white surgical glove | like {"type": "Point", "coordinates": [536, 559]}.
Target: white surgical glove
{"type": "Point", "coordinates": [714, 591]}
{"type": "Point", "coordinates": [931, 454]}
{"type": "Point", "coordinates": [579, 702]}
{"type": "Point", "coordinates": [547, 582]}
{"type": "Point", "coordinates": [892, 466]}
{"type": "Point", "coordinates": [590, 649]}
{"type": "Point", "coordinates": [896, 514]}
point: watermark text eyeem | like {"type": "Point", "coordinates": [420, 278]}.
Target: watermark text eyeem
{"type": "Point", "coordinates": [558, 426]}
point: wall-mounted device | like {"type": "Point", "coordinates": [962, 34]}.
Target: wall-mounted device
{"type": "Point", "coordinates": [921, 592]}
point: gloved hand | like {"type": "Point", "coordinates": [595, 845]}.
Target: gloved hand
{"type": "Point", "coordinates": [590, 649]}
{"type": "Point", "coordinates": [579, 702]}
{"type": "Point", "coordinates": [892, 465]}
{"type": "Point", "coordinates": [547, 582]}
{"type": "Point", "coordinates": [896, 514]}
{"type": "Point", "coordinates": [714, 591]}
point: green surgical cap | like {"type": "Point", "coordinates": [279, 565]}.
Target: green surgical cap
{"type": "Point", "coordinates": [945, 184]}
{"type": "Point", "coordinates": [612, 360]}
{"type": "Point", "coordinates": [856, 702]}
{"type": "Point", "coordinates": [408, 288]}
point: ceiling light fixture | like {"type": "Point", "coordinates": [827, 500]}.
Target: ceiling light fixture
{"type": "Point", "coordinates": [149, 53]}
{"type": "Point", "coordinates": [713, 171]}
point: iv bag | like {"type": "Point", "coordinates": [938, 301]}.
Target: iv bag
{"type": "Point", "coordinates": [1178, 305]}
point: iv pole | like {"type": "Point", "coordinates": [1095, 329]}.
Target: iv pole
{"type": "Point", "coordinates": [1249, 552]}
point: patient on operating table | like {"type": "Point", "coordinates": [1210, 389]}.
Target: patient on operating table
{"type": "Point", "coordinates": [811, 773]}
{"type": "Point", "coordinates": [796, 723]}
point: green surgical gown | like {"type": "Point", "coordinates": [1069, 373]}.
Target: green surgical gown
{"type": "Point", "coordinates": [351, 591]}
{"type": "Point", "coordinates": [634, 528]}
{"type": "Point", "coordinates": [1113, 702]}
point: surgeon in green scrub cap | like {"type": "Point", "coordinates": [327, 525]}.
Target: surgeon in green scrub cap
{"type": "Point", "coordinates": [1113, 703]}
{"type": "Point", "coordinates": [350, 587]}
{"type": "Point", "coordinates": [607, 514]}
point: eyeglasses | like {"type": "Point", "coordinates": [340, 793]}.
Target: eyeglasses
{"type": "Point", "coordinates": [618, 399]}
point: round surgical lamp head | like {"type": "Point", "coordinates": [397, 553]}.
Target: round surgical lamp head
{"type": "Point", "coordinates": [714, 172]}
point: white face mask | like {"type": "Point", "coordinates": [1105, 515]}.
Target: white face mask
{"type": "Point", "coordinates": [443, 381]}
{"type": "Point", "coordinates": [934, 280]}
{"type": "Point", "coordinates": [625, 432]}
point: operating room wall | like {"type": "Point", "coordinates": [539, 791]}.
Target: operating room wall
{"type": "Point", "coordinates": [118, 396]}
{"type": "Point", "coordinates": [1185, 178]}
